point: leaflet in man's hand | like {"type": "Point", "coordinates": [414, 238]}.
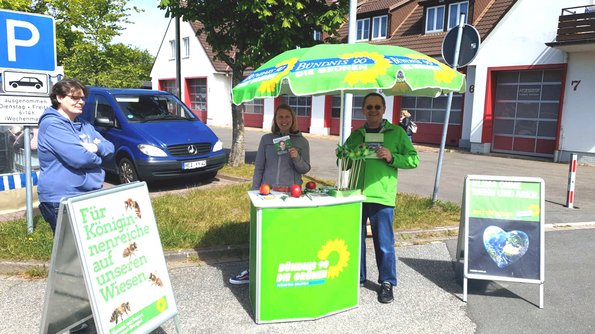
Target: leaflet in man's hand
{"type": "Point", "coordinates": [374, 142]}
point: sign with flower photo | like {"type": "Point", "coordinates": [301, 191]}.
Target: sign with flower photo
{"type": "Point", "coordinates": [114, 234]}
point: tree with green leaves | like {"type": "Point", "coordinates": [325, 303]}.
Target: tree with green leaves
{"type": "Point", "coordinates": [85, 30]}
{"type": "Point", "coordinates": [23, 6]}
{"type": "Point", "coordinates": [246, 33]}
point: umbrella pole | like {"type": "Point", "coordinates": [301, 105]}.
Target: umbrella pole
{"type": "Point", "coordinates": [344, 132]}
{"type": "Point", "coordinates": [341, 141]}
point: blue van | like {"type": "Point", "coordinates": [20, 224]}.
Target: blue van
{"type": "Point", "coordinates": [155, 135]}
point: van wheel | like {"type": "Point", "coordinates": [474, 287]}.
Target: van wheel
{"type": "Point", "coordinates": [126, 171]}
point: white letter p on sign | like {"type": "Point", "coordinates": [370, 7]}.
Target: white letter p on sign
{"type": "Point", "coordinates": [11, 40]}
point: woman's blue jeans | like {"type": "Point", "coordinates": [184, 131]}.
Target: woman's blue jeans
{"type": "Point", "coordinates": [49, 211]}
{"type": "Point", "coordinates": [383, 235]}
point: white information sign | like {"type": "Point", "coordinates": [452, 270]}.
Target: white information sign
{"type": "Point", "coordinates": [26, 83]}
{"type": "Point", "coordinates": [24, 110]}
{"type": "Point", "coordinates": [122, 260]}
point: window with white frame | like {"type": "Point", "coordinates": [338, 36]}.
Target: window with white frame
{"type": "Point", "coordinates": [255, 106]}
{"type": "Point", "coordinates": [363, 29]}
{"type": "Point", "coordinates": [186, 43]}
{"type": "Point", "coordinates": [454, 13]}
{"type": "Point", "coordinates": [433, 110]}
{"type": "Point", "coordinates": [172, 47]}
{"type": "Point", "coordinates": [379, 27]}
{"type": "Point", "coordinates": [300, 104]}
{"type": "Point", "coordinates": [435, 19]}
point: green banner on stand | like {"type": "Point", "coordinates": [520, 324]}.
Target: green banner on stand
{"type": "Point", "coordinates": [307, 261]}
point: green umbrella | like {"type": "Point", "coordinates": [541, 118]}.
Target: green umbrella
{"type": "Point", "coordinates": [357, 68]}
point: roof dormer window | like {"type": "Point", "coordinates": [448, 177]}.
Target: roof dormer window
{"type": "Point", "coordinates": [448, 12]}
{"type": "Point", "coordinates": [379, 27]}
{"type": "Point", "coordinates": [454, 13]}
{"type": "Point", "coordinates": [363, 30]}
{"type": "Point", "coordinates": [435, 19]}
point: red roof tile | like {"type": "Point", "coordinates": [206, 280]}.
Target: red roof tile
{"type": "Point", "coordinates": [407, 22]}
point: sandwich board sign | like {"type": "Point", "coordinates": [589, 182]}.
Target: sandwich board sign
{"type": "Point", "coordinates": [107, 263]}
{"type": "Point", "coordinates": [503, 221]}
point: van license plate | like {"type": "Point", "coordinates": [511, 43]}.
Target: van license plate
{"type": "Point", "coordinates": [194, 164]}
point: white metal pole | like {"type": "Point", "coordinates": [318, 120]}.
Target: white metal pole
{"type": "Point", "coordinates": [348, 98]}
{"type": "Point", "coordinates": [28, 183]}
{"type": "Point", "coordinates": [455, 64]}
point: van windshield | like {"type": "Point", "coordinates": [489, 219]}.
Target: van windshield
{"type": "Point", "coordinates": [151, 108]}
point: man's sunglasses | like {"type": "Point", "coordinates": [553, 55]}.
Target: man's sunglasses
{"type": "Point", "coordinates": [370, 107]}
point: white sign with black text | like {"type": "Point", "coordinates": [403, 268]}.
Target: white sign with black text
{"type": "Point", "coordinates": [23, 110]}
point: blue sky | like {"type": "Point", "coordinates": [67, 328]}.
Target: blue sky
{"type": "Point", "coordinates": [148, 29]}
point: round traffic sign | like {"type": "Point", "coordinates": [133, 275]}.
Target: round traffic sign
{"type": "Point", "coordinates": [469, 45]}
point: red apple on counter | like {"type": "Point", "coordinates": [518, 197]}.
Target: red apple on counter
{"type": "Point", "coordinates": [265, 189]}
{"type": "Point", "coordinates": [311, 185]}
{"type": "Point", "coordinates": [295, 190]}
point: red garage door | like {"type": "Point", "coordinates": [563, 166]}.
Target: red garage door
{"type": "Point", "coordinates": [526, 110]}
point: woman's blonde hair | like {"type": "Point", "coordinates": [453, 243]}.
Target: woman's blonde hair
{"type": "Point", "coordinates": [405, 113]}
{"type": "Point", "coordinates": [275, 127]}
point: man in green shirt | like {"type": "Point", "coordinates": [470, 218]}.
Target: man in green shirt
{"type": "Point", "coordinates": [378, 181]}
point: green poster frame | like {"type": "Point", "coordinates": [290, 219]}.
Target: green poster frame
{"type": "Point", "coordinates": [304, 256]}
{"type": "Point", "coordinates": [94, 271]}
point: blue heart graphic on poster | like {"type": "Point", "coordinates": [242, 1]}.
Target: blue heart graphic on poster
{"type": "Point", "coordinates": [505, 248]}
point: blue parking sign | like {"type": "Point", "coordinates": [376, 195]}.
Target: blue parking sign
{"type": "Point", "coordinates": [27, 41]}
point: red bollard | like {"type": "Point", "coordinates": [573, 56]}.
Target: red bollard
{"type": "Point", "coordinates": [571, 181]}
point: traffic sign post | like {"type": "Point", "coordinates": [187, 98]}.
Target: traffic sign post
{"type": "Point", "coordinates": [453, 44]}
{"type": "Point", "coordinates": [27, 44]}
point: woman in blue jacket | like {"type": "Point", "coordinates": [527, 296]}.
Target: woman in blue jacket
{"type": "Point", "coordinates": [70, 150]}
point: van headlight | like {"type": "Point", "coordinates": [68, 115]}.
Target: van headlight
{"type": "Point", "coordinates": [218, 146]}
{"type": "Point", "coordinates": [151, 150]}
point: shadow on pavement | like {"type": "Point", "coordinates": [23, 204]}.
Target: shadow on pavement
{"type": "Point", "coordinates": [492, 289]}
{"type": "Point", "coordinates": [240, 292]}
{"type": "Point", "coordinates": [438, 272]}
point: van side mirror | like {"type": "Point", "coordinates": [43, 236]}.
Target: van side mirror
{"type": "Point", "coordinates": [104, 121]}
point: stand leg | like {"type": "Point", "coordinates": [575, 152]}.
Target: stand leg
{"type": "Point", "coordinates": [465, 289]}
{"type": "Point", "coordinates": [541, 295]}
{"type": "Point", "coordinates": [177, 323]}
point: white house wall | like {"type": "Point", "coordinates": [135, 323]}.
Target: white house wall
{"type": "Point", "coordinates": [518, 40]}
{"type": "Point", "coordinates": [197, 65]}
{"type": "Point", "coordinates": [576, 132]}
